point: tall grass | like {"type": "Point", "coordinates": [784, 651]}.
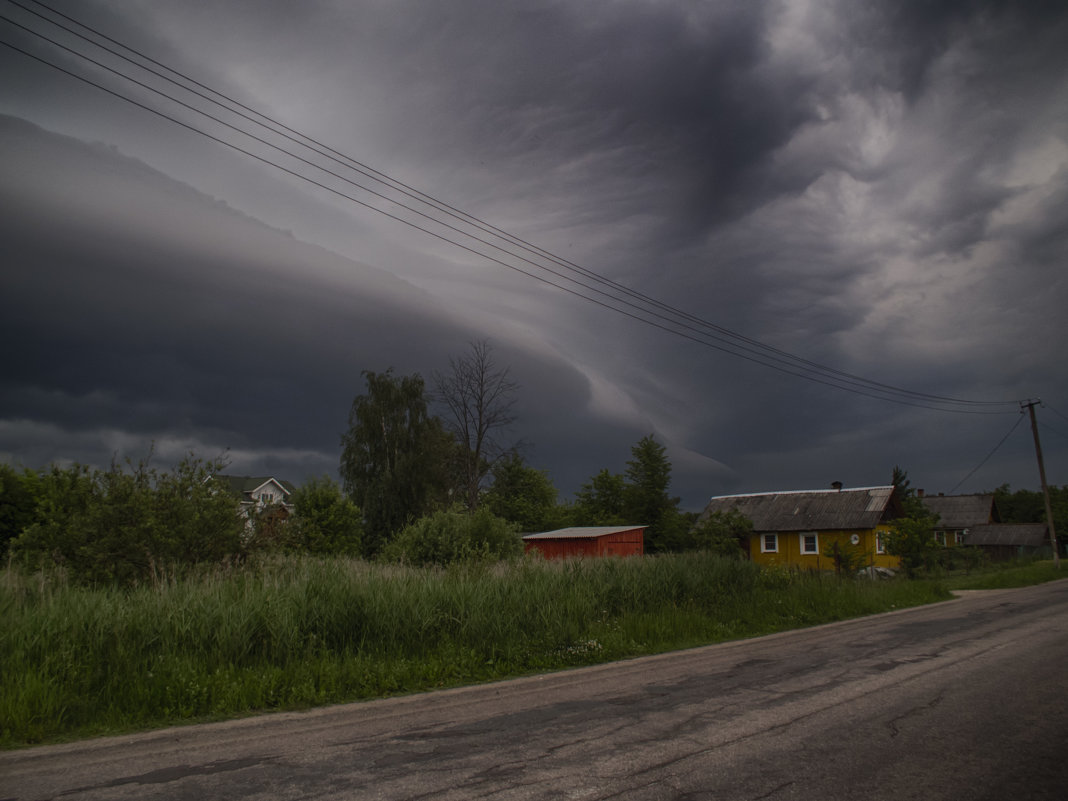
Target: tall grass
{"type": "Point", "coordinates": [295, 632]}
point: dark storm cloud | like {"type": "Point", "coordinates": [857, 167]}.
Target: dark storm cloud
{"type": "Point", "coordinates": [877, 187]}
{"type": "Point", "coordinates": [179, 334]}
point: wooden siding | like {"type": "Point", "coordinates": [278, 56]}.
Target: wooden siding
{"type": "Point", "coordinates": [789, 548]}
{"type": "Point", "coordinates": [619, 543]}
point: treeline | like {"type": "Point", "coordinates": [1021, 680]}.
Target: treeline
{"type": "Point", "coordinates": [401, 463]}
{"type": "Point", "coordinates": [417, 487]}
{"type": "Point", "coordinates": [1028, 506]}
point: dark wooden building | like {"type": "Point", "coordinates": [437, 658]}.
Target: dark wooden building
{"type": "Point", "coordinates": [588, 541]}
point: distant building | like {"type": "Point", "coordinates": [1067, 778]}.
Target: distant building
{"type": "Point", "coordinates": [260, 493]}
{"type": "Point", "coordinates": [588, 541]}
{"type": "Point", "coordinates": [974, 520]}
{"type": "Point", "coordinates": [958, 514]}
{"type": "Point", "coordinates": [1002, 541]}
{"type": "Point", "coordinates": [797, 527]}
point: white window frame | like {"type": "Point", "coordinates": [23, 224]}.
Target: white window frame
{"type": "Point", "coordinates": [801, 537]}
{"type": "Point", "coordinates": [958, 537]}
{"type": "Point", "coordinates": [880, 542]}
{"type": "Point", "coordinates": [764, 543]}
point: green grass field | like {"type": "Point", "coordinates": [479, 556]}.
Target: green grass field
{"type": "Point", "coordinates": [297, 632]}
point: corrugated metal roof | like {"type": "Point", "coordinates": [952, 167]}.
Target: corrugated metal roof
{"type": "Point", "coordinates": [810, 510]}
{"type": "Point", "coordinates": [960, 511]}
{"type": "Point", "coordinates": [582, 532]}
{"type": "Point", "coordinates": [1029, 535]}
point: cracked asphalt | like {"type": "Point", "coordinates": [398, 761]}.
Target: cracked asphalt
{"type": "Point", "coordinates": [962, 700]}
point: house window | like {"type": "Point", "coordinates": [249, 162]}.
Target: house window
{"type": "Point", "coordinates": [940, 537]}
{"type": "Point", "coordinates": [958, 537]}
{"type": "Point", "coordinates": [880, 543]}
{"type": "Point", "coordinates": [769, 543]}
{"type": "Point", "coordinates": [809, 542]}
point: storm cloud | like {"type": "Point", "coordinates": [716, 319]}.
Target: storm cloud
{"type": "Point", "coordinates": [879, 189]}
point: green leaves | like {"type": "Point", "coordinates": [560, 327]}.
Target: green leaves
{"type": "Point", "coordinates": [325, 521]}
{"type": "Point", "coordinates": [395, 456]}
{"type": "Point", "coordinates": [122, 524]}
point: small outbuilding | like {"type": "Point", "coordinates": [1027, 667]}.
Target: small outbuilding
{"type": "Point", "coordinates": [588, 541]}
{"type": "Point", "coordinates": [1003, 541]}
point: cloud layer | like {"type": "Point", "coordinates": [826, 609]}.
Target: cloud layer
{"type": "Point", "coordinates": [881, 190]}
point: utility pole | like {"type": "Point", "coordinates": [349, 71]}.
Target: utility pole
{"type": "Point", "coordinates": [1030, 404]}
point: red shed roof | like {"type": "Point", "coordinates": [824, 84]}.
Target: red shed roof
{"type": "Point", "coordinates": [582, 532]}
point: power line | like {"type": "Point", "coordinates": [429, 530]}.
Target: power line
{"type": "Point", "coordinates": [989, 455]}
{"type": "Point", "coordinates": [1046, 405]}
{"type": "Point", "coordinates": [692, 327]}
{"type": "Point", "coordinates": [722, 335]}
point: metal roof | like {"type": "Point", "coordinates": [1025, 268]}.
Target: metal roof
{"type": "Point", "coordinates": [1030, 535]}
{"type": "Point", "coordinates": [582, 532]}
{"type": "Point", "coordinates": [811, 510]}
{"type": "Point", "coordinates": [960, 511]}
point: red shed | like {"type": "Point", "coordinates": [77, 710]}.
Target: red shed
{"type": "Point", "coordinates": [588, 541]}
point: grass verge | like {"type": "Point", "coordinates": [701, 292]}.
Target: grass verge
{"type": "Point", "coordinates": [298, 632]}
{"type": "Point", "coordinates": [1005, 576]}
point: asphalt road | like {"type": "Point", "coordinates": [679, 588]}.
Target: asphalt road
{"type": "Point", "coordinates": [962, 700]}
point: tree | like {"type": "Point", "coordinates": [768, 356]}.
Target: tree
{"type": "Point", "coordinates": [722, 533]}
{"type": "Point", "coordinates": [523, 495]}
{"type": "Point", "coordinates": [912, 505]}
{"type": "Point", "coordinates": [599, 502]}
{"type": "Point", "coordinates": [324, 520]}
{"type": "Point", "coordinates": [480, 399]}
{"type": "Point", "coordinates": [646, 499]}
{"type": "Point", "coordinates": [19, 491]}
{"type": "Point", "coordinates": [394, 458]}
{"type": "Point", "coordinates": [911, 539]}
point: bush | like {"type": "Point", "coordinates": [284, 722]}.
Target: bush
{"type": "Point", "coordinates": [325, 520]}
{"type": "Point", "coordinates": [911, 539]}
{"type": "Point", "coordinates": [848, 559]}
{"type": "Point", "coordinates": [121, 525]}
{"type": "Point", "coordinates": [447, 537]}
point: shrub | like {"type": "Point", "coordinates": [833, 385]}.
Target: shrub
{"type": "Point", "coordinates": [120, 525]}
{"type": "Point", "coordinates": [325, 520]}
{"type": "Point", "coordinates": [447, 537]}
{"type": "Point", "coordinates": [911, 539]}
{"type": "Point", "coordinates": [847, 559]}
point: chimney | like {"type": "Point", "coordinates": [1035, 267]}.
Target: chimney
{"type": "Point", "coordinates": [836, 485]}
{"type": "Point", "coordinates": [919, 493]}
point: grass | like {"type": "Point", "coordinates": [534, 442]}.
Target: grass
{"type": "Point", "coordinates": [1005, 576]}
{"type": "Point", "coordinates": [298, 632]}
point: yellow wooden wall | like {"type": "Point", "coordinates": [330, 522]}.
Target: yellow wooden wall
{"type": "Point", "coordinates": [789, 553]}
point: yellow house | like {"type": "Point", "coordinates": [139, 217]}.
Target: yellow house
{"type": "Point", "coordinates": [799, 527]}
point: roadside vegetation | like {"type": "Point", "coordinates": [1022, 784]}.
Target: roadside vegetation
{"type": "Point", "coordinates": [1004, 575]}
{"type": "Point", "coordinates": [290, 632]}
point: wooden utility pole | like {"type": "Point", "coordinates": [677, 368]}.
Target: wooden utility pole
{"type": "Point", "coordinates": [1030, 404]}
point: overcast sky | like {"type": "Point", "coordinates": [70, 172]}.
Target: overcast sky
{"type": "Point", "coordinates": [881, 190]}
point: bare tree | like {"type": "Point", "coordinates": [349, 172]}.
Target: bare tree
{"type": "Point", "coordinates": [479, 399]}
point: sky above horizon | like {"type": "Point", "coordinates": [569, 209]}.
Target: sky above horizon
{"type": "Point", "coordinates": [710, 188]}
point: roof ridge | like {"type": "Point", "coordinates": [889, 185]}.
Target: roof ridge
{"type": "Point", "coordinates": [828, 490]}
